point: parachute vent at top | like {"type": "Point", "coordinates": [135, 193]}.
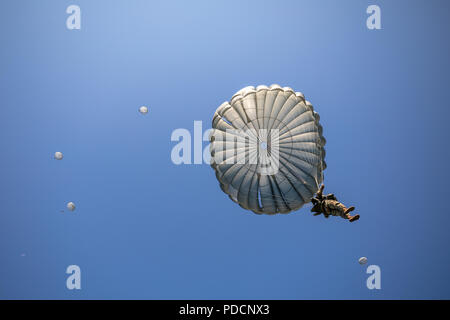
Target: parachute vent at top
{"type": "Point", "coordinates": [267, 149]}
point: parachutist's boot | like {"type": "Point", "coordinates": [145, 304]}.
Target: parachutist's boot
{"type": "Point", "coordinates": [348, 210]}
{"type": "Point", "coordinates": [353, 218]}
{"type": "Point", "coordinates": [349, 217]}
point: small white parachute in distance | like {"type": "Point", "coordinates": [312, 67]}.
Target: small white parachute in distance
{"type": "Point", "coordinates": [58, 155]}
{"type": "Point", "coordinates": [267, 149]}
{"type": "Point", "coordinates": [71, 206]}
{"type": "Point", "coordinates": [143, 110]}
{"type": "Point", "coordinates": [362, 260]}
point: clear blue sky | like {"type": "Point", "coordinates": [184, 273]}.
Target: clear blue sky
{"type": "Point", "coordinates": [145, 228]}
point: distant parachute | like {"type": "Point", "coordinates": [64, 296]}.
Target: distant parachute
{"type": "Point", "coordinates": [362, 260]}
{"type": "Point", "coordinates": [143, 110]}
{"type": "Point", "coordinates": [267, 149]}
{"type": "Point", "coordinates": [71, 206]}
{"type": "Point", "coordinates": [58, 155]}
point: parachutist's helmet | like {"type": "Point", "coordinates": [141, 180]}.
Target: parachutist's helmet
{"type": "Point", "coordinates": [316, 205]}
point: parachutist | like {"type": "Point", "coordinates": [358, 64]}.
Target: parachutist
{"type": "Point", "coordinates": [329, 205]}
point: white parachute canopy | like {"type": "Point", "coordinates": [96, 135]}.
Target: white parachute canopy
{"type": "Point", "coordinates": [71, 206]}
{"type": "Point", "coordinates": [267, 149]}
{"type": "Point", "coordinates": [143, 110]}
{"type": "Point", "coordinates": [58, 155]}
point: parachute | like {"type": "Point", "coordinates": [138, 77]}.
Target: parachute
{"type": "Point", "coordinates": [267, 149]}
{"type": "Point", "coordinates": [143, 110]}
{"type": "Point", "coordinates": [58, 155]}
{"type": "Point", "coordinates": [71, 206]}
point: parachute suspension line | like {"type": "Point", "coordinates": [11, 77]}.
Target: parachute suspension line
{"type": "Point", "coordinates": [321, 169]}
{"type": "Point", "coordinates": [319, 176]}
